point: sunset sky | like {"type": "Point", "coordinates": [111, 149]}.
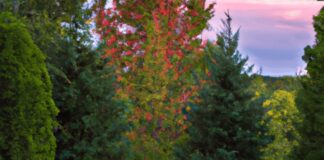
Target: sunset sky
{"type": "Point", "coordinates": [273, 33]}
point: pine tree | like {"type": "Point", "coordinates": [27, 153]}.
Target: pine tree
{"type": "Point", "coordinates": [27, 112]}
{"type": "Point", "coordinates": [91, 123]}
{"type": "Point", "coordinates": [310, 100]}
{"type": "Point", "coordinates": [91, 120]}
{"type": "Point", "coordinates": [224, 124]}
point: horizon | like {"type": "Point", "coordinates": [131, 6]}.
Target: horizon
{"type": "Point", "coordinates": [273, 33]}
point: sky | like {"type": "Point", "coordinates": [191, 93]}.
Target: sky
{"type": "Point", "coordinates": [273, 33]}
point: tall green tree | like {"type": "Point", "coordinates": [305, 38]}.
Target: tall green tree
{"type": "Point", "coordinates": [283, 118]}
{"type": "Point", "coordinates": [27, 112]}
{"type": "Point", "coordinates": [310, 99]}
{"type": "Point", "coordinates": [91, 120]}
{"type": "Point", "coordinates": [224, 125]}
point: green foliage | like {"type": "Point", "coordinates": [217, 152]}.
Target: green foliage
{"type": "Point", "coordinates": [310, 98]}
{"type": "Point", "coordinates": [44, 19]}
{"type": "Point", "coordinates": [283, 118]}
{"type": "Point", "coordinates": [225, 125]}
{"type": "Point", "coordinates": [288, 83]}
{"type": "Point", "coordinates": [260, 89]}
{"type": "Point", "coordinates": [27, 112]}
{"type": "Point", "coordinates": [95, 122]}
{"type": "Point", "coordinates": [92, 122]}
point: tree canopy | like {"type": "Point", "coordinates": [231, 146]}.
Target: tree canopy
{"type": "Point", "coordinates": [27, 112]}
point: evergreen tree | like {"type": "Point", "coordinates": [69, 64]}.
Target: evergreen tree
{"type": "Point", "coordinates": [224, 124]}
{"type": "Point", "coordinates": [27, 112]}
{"type": "Point", "coordinates": [310, 99]}
{"type": "Point", "coordinates": [91, 123]}
{"type": "Point", "coordinates": [91, 120]}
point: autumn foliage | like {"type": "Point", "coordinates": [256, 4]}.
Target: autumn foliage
{"type": "Point", "coordinates": [152, 44]}
{"type": "Point", "coordinates": [149, 88]}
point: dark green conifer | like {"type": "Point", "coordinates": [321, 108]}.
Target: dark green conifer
{"type": "Point", "coordinates": [225, 125]}
{"type": "Point", "coordinates": [310, 100]}
{"type": "Point", "coordinates": [91, 121]}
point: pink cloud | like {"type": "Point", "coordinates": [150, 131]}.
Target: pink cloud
{"type": "Point", "coordinates": [292, 14]}
{"type": "Point", "coordinates": [270, 28]}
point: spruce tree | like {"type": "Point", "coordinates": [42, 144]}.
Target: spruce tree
{"type": "Point", "coordinates": [224, 124]}
{"type": "Point", "coordinates": [27, 112]}
{"type": "Point", "coordinates": [91, 123]}
{"type": "Point", "coordinates": [310, 100]}
{"type": "Point", "coordinates": [91, 120]}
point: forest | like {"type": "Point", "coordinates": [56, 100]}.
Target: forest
{"type": "Point", "coordinates": [134, 80]}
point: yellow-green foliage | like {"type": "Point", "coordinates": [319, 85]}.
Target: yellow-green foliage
{"type": "Point", "coordinates": [27, 112]}
{"type": "Point", "coordinates": [282, 115]}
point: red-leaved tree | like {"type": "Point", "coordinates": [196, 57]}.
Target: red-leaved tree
{"type": "Point", "coordinates": [153, 46]}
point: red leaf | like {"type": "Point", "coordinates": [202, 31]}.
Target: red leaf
{"type": "Point", "coordinates": [171, 24]}
{"type": "Point", "coordinates": [119, 78]}
{"type": "Point", "coordinates": [105, 23]}
{"type": "Point", "coordinates": [128, 53]}
{"type": "Point", "coordinates": [108, 11]}
{"type": "Point", "coordinates": [138, 17]}
{"type": "Point", "coordinates": [130, 43]}
{"type": "Point", "coordinates": [148, 117]}
{"type": "Point", "coordinates": [194, 13]}
{"type": "Point", "coordinates": [180, 54]}
{"type": "Point", "coordinates": [170, 52]}
{"type": "Point", "coordinates": [111, 40]}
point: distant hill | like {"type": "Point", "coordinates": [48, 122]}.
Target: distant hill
{"type": "Point", "coordinates": [289, 83]}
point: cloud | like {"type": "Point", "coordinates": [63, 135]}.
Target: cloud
{"type": "Point", "coordinates": [292, 14]}
{"type": "Point", "coordinates": [301, 70]}
{"type": "Point", "coordinates": [273, 33]}
{"type": "Point", "coordinates": [272, 2]}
